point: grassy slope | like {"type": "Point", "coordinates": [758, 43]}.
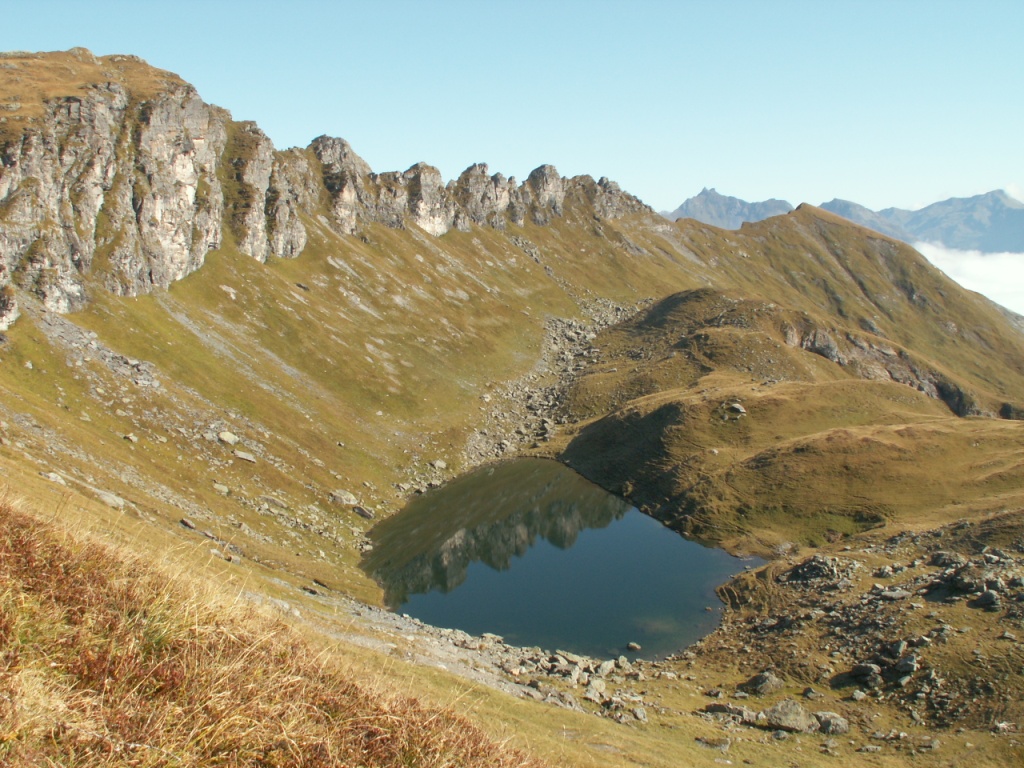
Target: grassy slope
{"type": "Point", "coordinates": [824, 449]}
{"type": "Point", "coordinates": [851, 278]}
{"type": "Point", "coordinates": [108, 662]}
{"type": "Point", "coordinates": [32, 79]}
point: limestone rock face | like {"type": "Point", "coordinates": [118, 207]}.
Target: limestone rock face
{"type": "Point", "coordinates": [136, 183]}
{"type": "Point", "coordinates": [49, 180]}
{"type": "Point", "coordinates": [175, 192]}
{"type": "Point", "coordinates": [252, 162]}
{"type": "Point", "coordinates": [291, 191]}
{"type": "Point", "coordinates": [484, 199]}
{"type": "Point", "coordinates": [430, 205]}
{"type": "Point", "coordinates": [344, 174]}
{"type": "Point", "coordinates": [546, 192]}
{"type": "Point", "coordinates": [270, 189]}
{"type": "Point", "coordinates": [607, 198]}
{"type": "Point", "coordinates": [9, 311]}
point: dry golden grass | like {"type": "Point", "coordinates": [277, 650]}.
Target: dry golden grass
{"type": "Point", "coordinates": [31, 80]}
{"type": "Point", "coordinates": [106, 661]}
{"type": "Point", "coordinates": [821, 452]}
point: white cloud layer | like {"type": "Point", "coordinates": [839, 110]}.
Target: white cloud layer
{"type": "Point", "coordinates": [999, 276]}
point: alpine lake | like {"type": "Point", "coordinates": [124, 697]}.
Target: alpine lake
{"type": "Point", "coordinates": [531, 551]}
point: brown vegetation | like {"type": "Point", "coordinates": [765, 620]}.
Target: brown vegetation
{"type": "Point", "coordinates": [105, 661]}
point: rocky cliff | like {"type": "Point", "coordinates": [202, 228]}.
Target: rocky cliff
{"type": "Point", "coordinates": [122, 176]}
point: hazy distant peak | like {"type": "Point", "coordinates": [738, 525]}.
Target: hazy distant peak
{"type": "Point", "coordinates": [727, 212]}
{"type": "Point", "coordinates": [1004, 197]}
{"type": "Point", "coordinates": [991, 222]}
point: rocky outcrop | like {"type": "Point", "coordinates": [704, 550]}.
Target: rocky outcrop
{"type": "Point", "coordinates": [874, 359]}
{"type": "Point", "coordinates": [430, 205]}
{"type": "Point", "coordinates": [484, 199]}
{"type": "Point", "coordinates": [291, 191]}
{"type": "Point", "coordinates": [419, 196]}
{"type": "Point", "coordinates": [545, 191]}
{"type": "Point", "coordinates": [137, 183]}
{"type": "Point", "coordinates": [251, 164]}
{"type": "Point", "coordinates": [344, 174]}
{"type": "Point", "coordinates": [52, 179]}
{"type": "Point", "coordinates": [267, 190]}
{"type": "Point", "coordinates": [105, 178]}
{"type": "Point", "coordinates": [607, 198]}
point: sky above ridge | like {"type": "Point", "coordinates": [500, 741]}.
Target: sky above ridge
{"type": "Point", "coordinates": [885, 102]}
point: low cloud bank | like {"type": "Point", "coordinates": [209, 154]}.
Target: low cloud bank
{"type": "Point", "coordinates": [999, 276]}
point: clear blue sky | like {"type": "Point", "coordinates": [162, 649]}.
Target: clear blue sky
{"type": "Point", "coordinates": [886, 103]}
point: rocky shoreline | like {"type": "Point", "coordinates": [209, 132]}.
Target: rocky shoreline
{"type": "Point", "coordinates": [565, 679]}
{"type": "Point", "coordinates": [839, 637]}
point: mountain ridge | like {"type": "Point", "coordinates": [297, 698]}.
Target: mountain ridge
{"type": "Point", "coordinates": [153, 173]}
{"type": "Point", "coordinates": [992, 222]}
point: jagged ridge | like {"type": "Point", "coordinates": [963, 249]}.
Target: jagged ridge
{"type": "Point", "coordinates": [136, 185]}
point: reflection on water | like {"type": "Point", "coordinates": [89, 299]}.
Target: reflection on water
{"type": "Point", "coordinates": [531, 551]}
{"type": "Point", "coordinates": [489, 516]}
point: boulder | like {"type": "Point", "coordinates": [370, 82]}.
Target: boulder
{"type": "Point", "coordinates": [865, 670]}
{"type": "Point", "coordinates": [745, 715]}
{"type": "Point", "coordinates": [947, 560]}
{"type": "Point", "coordinates": [815, 568]}
{"type": "Point", "coordinates": [789, 716]}
{"type": "Point", "coordinates": [988, 599]}
{"type": "Point", "coordinates": [344, 497]}
{"type": "Point", "coordinates": [892, 595]}
{"type": "Point", "coordinates": [110, 499]}
{"type": "Point", "coordinates": [907, 665]}
{"type": "Point", "coordinates": [832, 723]}
{"type": "Point", "coordinates": [763, 684]}
{"type": "Point", "coordinates": [228, 438]}
{"type": "Point", "coordinates": [595, 691]}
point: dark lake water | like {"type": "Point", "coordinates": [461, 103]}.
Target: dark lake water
{"type": "Point", "coordinates": [531, 551]}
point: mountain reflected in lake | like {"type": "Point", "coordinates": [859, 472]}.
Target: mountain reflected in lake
{"type": "Point", "coordinates": [491, 516]}
{"type": "Point", "coordinates": [531, 551]}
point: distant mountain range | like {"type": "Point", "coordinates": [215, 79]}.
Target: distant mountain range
{"type": "Point", "coordinates": [991, 223]}
{"type": "Point", "coordinates": [725, 211]}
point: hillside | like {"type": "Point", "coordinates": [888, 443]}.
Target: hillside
{"type": "Point", "coordinates": [245, 357]}
{"type": "Point", "coordinates": [854, 351]}
{"type": "Point", "coordinates": [109, 661]}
